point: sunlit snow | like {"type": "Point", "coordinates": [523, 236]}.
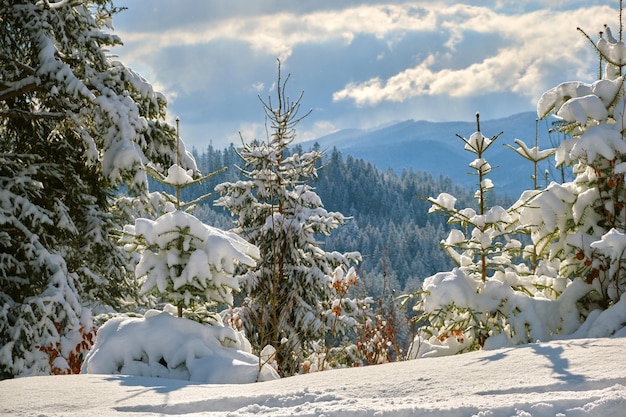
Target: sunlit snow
{"type": "Point", "coordinates": [572, 378]}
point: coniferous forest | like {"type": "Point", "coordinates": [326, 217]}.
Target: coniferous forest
{"type": "Point", "coordinates": [389, 224]}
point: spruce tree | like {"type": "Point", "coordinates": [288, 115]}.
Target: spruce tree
{"type": "Point", "coordinates": [498, 289]}
{"type": "Point", "coordinates": [290, 291]}
{"type": "Point", "coordinates": [575, 264]}
{"type": "Point", "coordinates": [75, 127]}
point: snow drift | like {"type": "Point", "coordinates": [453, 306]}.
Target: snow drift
{"type": "Point", "coordinates": [164, 346]}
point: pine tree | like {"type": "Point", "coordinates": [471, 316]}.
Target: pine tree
{"type": "Point", "coordinates": [187, 262]}
{"type": "Point", "coordinates": [575, 264]}
{"type": "Point", "coordinates": [289, 293]}
{"type": "Point", "coordinates": [75, 125]}
{"type": "Point", "coordinates": [498, 287]}
{"type": "Point", "coordinates": [580, 224]}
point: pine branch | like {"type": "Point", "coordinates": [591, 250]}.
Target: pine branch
{"type": "Point", "coordinates": [27, 68]}
{"type": "Point", "coordinates": [197, 200]}
{"type": "Point", "coordinates": [16, 114]}
{"type": "Point", "coordinates": [12, 92]}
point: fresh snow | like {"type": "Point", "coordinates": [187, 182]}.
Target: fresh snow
{"type": "Point", "coordinates": [573, 378]}
{"type": "Point", "coordinates": [207, 257]}
{"type": "Point", "coordinates": [161, 345]}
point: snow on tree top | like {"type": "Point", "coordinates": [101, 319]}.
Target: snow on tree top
{"type": "Point", "coordinates": [614, 52]}
{"type": "Point", "coordinates": [445, 200]}
{"type": "Point", "coordinates": [477, 142]}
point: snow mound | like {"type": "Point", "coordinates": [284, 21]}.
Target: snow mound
{"type": "Point", "coordinates": [164, 346]}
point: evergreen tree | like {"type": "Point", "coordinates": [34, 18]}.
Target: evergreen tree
{"type": "Point", "coordinates": [580, 224]}
{"type": "Point", "coordinates": [574, 266]}
{"type": "Point", "coordinates": [289, 294]}
{"type": "Point", "coordinates": [416, 234]}
{"type": "Point", "coordinates": [74, 126]}
{"type": "Point", "coordinates": [498, 288]}
{"type": "Point", "coordinates": [184, 260]}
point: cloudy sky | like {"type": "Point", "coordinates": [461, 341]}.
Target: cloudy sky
{"type": "Point", "coordinates": [359, 63]}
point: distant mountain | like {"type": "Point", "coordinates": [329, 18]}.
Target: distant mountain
{"type": "Point", "coordinates": [434, 147]}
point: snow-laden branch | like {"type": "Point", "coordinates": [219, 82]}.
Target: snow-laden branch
{"type": "Point", "coordinates": [58, 4]}
{"type": "Point", "coordinates": [533, 154]}
{"type": "Point", "coordinates": [19, 88]}
{"type": "Point", "coordinates": [31, 115]}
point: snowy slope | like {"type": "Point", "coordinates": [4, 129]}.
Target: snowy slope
{"type": "Point", "coordinates": [582, 377]}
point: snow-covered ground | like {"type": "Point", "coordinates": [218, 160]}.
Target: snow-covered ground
{"type": "Point", "coordinates": [567, 378]}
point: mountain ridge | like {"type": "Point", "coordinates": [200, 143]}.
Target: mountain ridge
{"type": "Point", "coordinates": [433, 147]}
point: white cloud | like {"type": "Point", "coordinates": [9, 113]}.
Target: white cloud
{"type": "Point", "coordinates": [277, 34]}
{"type": "Point", "coordinates": [436, 60]}
{"type": "Point", "coordinates": [533, 39]}
{"type": "Point", "coordinates": [535, 45]}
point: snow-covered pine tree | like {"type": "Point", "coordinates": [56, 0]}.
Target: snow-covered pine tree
{"type": "Point", "coordinates": [581, 224]}
{"type": "Point", "coordinates": [74, 125]}
{"type": "Point", "coordinates": [498, 291]}
{"type": "Point", "coordinates": [290, 291]}
{"type": "Point", "coordinates": [578, 228]}
{"type": "Point", "coordinates": [183, 260]}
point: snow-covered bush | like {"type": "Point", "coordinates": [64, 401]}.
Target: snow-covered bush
{"type": "Point", "coordinates": [344, 317]}
{"type": "Point", "coordinates": [164, 346]}
{"type": "Point", "coordinates": [461, 313]}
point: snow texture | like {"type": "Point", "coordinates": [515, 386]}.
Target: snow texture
{"type": "Point", "coordinates": [207, 259]}
{"type": "Point", "coordinates": [177, 175]}
{"type": "Point", "coordinates": [164, 346]}
{"type": "Point", "coordinates": [533, 154]}
{"type": "Point", "coordinates": [574, 378]}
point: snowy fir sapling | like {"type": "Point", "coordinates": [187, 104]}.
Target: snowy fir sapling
{"type": "Point", "coordinates": [289, 295]}
{"type": "Point", "coordinates": [186, 262]}
{"type": "Point", "coordinates": [75, 127]}
{"type": "Point", "coordinates": [190, 264]}
{"type": "Point", "coordinates": [497, 294]}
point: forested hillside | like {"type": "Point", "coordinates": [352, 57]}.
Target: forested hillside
{"type": "Point", "coordinates": [390, 223]}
